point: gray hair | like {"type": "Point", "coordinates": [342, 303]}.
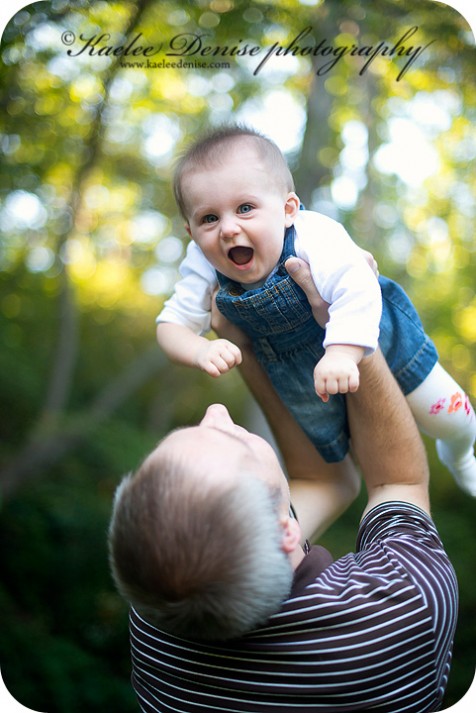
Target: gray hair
{"type": "Point", "coordinates": [197, 559]}
{"type": "Point", "coordinates": [208, 150]}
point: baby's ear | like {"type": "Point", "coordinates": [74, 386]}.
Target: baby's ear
{"type": "Point", "coordinates": [291, 208]}
{"type": "Point", "coordinates": [187, 228]}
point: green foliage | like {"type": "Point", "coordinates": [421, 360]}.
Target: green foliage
{"type": "Point", "coordinates": [64, 639]}
{"type": "Point", "coordinates": [90, 245]}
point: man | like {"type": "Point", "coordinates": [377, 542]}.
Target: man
{"type": "Point", "coordinates": [230, 612]}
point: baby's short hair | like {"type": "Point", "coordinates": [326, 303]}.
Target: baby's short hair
{"type": "Point", "coordinates": [209, 150]}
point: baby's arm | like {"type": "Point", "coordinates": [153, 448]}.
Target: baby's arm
{"type": "Point", "coordinates": [182, 346]}
{"type": "Point", "coordinates": [186, 316]}
{"type": "Point", "coordinates": [337, 372]}
{"type": "Point", "coordinates": [345, 281]}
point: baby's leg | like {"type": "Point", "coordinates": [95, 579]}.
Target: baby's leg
{"type": "Point", "coordinates": [443, 411]}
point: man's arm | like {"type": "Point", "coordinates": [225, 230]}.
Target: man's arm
{"type": "Point", "coordinates": [385, 438]}
{"type": "Point", "coordinates": [320, 491]}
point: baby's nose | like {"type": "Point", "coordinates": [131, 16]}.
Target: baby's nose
{"type": "Point", "coordinates": [229, 228]}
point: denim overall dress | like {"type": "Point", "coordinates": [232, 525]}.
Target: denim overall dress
{"type": "Point", "coordinates": [288, 343]}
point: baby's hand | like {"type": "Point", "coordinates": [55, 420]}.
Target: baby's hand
{"type": "Point", "coordinates": [337, 372]}
{"type": "Point", "coordinates": [217, 357]}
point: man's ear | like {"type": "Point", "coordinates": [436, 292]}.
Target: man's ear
{"type": "Point", "coordinates": [291, 539]}
{"type": "Point", "coordinates": [291, 208]}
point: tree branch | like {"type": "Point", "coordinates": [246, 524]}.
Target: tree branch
{"type": "Point", "coordinates": [45, 450]}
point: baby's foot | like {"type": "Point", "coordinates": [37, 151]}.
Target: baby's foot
{"type": "Point", "coordinates": [462, 469]}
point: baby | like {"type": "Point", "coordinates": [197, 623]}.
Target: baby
{"type": "Point", "coordinates": [236, 193]}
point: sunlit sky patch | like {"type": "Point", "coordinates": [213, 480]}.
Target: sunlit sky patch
{"type": "Point", "coordinates": [159, 280]}
{"type": "Point", "coordinates": [278, 115]}
{"type": "Point", "coordinates": [160, 136]}
{"type": "Point", "coordinates": [22, 211]}
{"type": "Point", "coordinates": [408, 153]}
{"type": "Point", "coordinates": [148, 226]}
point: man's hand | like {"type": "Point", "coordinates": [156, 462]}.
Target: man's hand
{"type": "Point", "coordinates": [300, 271]}
{"type": "Point", "coordinates": [337, 371]}
{"type": "Point", "coordinates": [218, 356]}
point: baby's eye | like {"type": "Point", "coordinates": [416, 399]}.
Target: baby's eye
{"type": "Point", "coordinates": [210, 218]}
{"type": "Point", "coordinates": [245, 208]}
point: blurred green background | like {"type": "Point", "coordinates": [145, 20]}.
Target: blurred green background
{"type": "Point", "coordinates": [89, 250]}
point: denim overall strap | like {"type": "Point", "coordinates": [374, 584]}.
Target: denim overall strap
{"type": "Point", "coordinates": [278, 307]}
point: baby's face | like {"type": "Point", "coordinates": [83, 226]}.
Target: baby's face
{"type": "Point", "coordinates": [238, 213]}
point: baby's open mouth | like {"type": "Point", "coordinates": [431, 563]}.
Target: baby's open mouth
{"type": "Point", "coordinates": [240, 255]}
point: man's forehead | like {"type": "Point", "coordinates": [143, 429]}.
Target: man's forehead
{"type": "Point", "coordinates": [217, 456]}
{"type": "Point", "coordinates": [206, 454]}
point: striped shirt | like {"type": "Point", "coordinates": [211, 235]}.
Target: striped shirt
{"type": "Point", "coordinates": [371, 631]}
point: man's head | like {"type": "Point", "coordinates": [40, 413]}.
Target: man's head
{"type": "Point", "coordinates": [236, 193]}
{"type": "Point", "coordinates": [201, 542]}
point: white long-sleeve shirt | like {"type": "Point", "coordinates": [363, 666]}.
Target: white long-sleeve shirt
{"type": "Point", "coordinates": [340, 272]}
